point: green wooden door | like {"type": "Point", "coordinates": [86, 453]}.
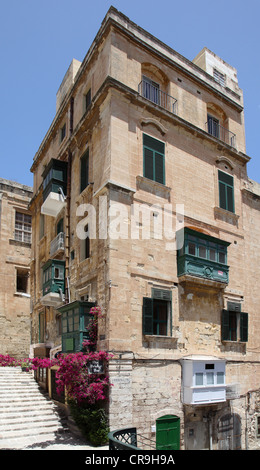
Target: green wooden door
{"type": "Point", "coordinates": [168, 433]}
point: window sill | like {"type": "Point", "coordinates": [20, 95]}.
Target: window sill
{"type": "Point", "coordinates": [226, 216]}
{"type": "Point", "coordinates": [12, 241]}
{"type": "Point", "coordinates": [233, 341]}
{"type": "Point", "coordinates": [151, 186]}
{"type": "Point", "coordinates": [159, 341]}
{"type": "Point", "coordinates": [22, 294]}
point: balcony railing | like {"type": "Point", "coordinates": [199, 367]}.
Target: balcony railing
{"type": "Point", "coordinates": [221, 133]}
{"type": "Point", "coordinates": [126, 439]}
{"type": "Point", "coordinates": [57, 244]}
{"type": "Point", "coordinates": [155, 95]}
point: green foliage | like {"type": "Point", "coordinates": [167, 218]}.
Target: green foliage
{"type": "Point", "coordinates": [92, 421]}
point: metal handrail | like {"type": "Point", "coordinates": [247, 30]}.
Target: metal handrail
{"type": "Point", "coordinates": [157, 96]}
{"type": "Point", "coordinates": [123, 439]}
{"type": "Point", "coordinates": [221, 133]}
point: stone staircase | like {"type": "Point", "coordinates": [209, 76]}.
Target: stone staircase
{"type": "Point", "coordinates": [27, 415]}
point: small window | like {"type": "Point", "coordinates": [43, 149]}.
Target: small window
{"type": "Point", "coordinates": [199, 378]}
{"type": "Point", "coordinates": [213, 126]}
{"type": "Point", "coordinates": [220, 378]}
{"type": "Point", "coordinates": [22, 281]}
{"type": "Point", "coordinates": [151, 90]}
{"type": "Point", "coordinates": [88, 100]}
{"type": "Point", "coordinates": [210, 378]}
{"type": "Point", "coordinates": [63, 133]}
{"type": "Point", "coordinates": [23, 227]}
{"type": "Point", "coordinates": [219, 77]}
{"type": "Point", "coordinates": [192, 249]}
{"type": "Point", "coordinates": [85, 246]}
{"type": "Point", "coordinates": [84, 171]}
{"type": "Point", "coordinates": [153, 154]}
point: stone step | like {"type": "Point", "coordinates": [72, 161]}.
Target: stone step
{"type": "Point", "coordinates": [27, 441]}
{"type": "Point", "coordinates": [27, 427]}
{"type": "Point", "coordinates": [27, 415]}
{"type": "Point", "coordinates": [24, 414]}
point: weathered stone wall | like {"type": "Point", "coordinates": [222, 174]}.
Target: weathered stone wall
{"type": "Point", "coordinates": [15, 255]}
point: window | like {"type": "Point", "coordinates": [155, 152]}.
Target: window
{"type": "Point", "coordinates": [84, 170]}
{"type": "Point", "coordinates": [85, 245]}
{"type": "Point", "coordinates": [206, 378]}
{"type": "Point", "coordinates": [63, 133]}
{"type": "Point", "coordinates": [213, 126]}
{"type": "Point", "coordinates": [23, 227]}
{"type": "Point", "coordinates": [234, 323]}
{"type": "Point", "coordinates": [88, 100]}
{"type": "Point", "coordinates": [22, 281]}
{"type": "Point", "coordinates": [60, 226]}
{"type": "Point", "coordinates": [204, 248]}
{"type": "Point", "coordinates": [151, 90]}
{"type": "Point", "coordinates": [226, 191]}
{"type": "Point", "coordinates": [157, 313]}
{"type": "Point", "coordinates": [153, 154]}
{"type": "Point", "coordinates": [219, 77]}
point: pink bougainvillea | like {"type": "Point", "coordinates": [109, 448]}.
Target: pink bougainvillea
{"type": "Point", "coordinates": [74, 372]}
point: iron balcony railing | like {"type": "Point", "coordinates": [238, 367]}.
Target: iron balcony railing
{"type": "Point", "coordinates": [57, 244]}
{"type": "Point", "coordinates": [221, 133]}
{"type": "Point", "coordinates": [155, 95]}
{"type": "Point", "coordinates": [126, 439]}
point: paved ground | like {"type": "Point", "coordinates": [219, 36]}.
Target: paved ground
{"type": "Point", "coordinates": [66, 441]}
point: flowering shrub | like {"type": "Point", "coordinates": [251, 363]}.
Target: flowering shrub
{"type": "Point", "coordinates": [73, 373]}
{"type": "Point", "coordinates": [85, 390]}
{"type": "Point", "coordinates": [91, 343]}
{"type": "Point", "coordinates": [6, 360]}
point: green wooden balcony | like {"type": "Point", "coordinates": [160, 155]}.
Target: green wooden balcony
{"type": "Point", "coordinates": [53, 287]}
{"type": "Point", "coordinates": [202, 256]}
{"type": "Point", "coordinates": [75, 317]}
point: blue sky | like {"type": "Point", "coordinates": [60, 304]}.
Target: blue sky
{"type": "Point", "coordinates": [38, 40]}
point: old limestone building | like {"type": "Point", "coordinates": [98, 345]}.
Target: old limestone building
{"type": "Point", "coordinates": [15, 250]}
{"type": "Point", "coordinates": [146, 144]}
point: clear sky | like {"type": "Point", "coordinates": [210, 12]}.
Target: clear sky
{"type": "Point", "coordinates": [38, 40]}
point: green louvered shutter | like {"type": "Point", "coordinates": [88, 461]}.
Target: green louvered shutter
{"type": "Point", "coordinates": [225, 326]}
{"type": "Point", "coordinates": [159, 168]}
{"type": "Point", "coordinates": [147, 316]}
{"type": "Point", "coordinates": [243, 326]}
{"type": "Point", "coordinates": [148, 163]}
{"type": "Point", "coordinates": [154, 165]}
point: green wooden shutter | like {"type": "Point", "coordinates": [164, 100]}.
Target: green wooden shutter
{"type": "Point", "coordinates": [147, 316]}
{"type": "Point", "coordinates": [222, 195]}
{"type": "Point", "coordinates": [148, 164]}
{"type": "Point", "coordinates": [226, 191]}
{"type": "Point", "coordinates": [225, 326]}
{"type": "Point", "coordinates": [243, 326]}
{"type": "Point", "coordinates": [159, 168]}
{"type": "Point", "coordinates": [154, 165]}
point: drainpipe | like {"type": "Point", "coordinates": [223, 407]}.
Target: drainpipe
{"type": "Point", "coordinates": [67, 224]}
